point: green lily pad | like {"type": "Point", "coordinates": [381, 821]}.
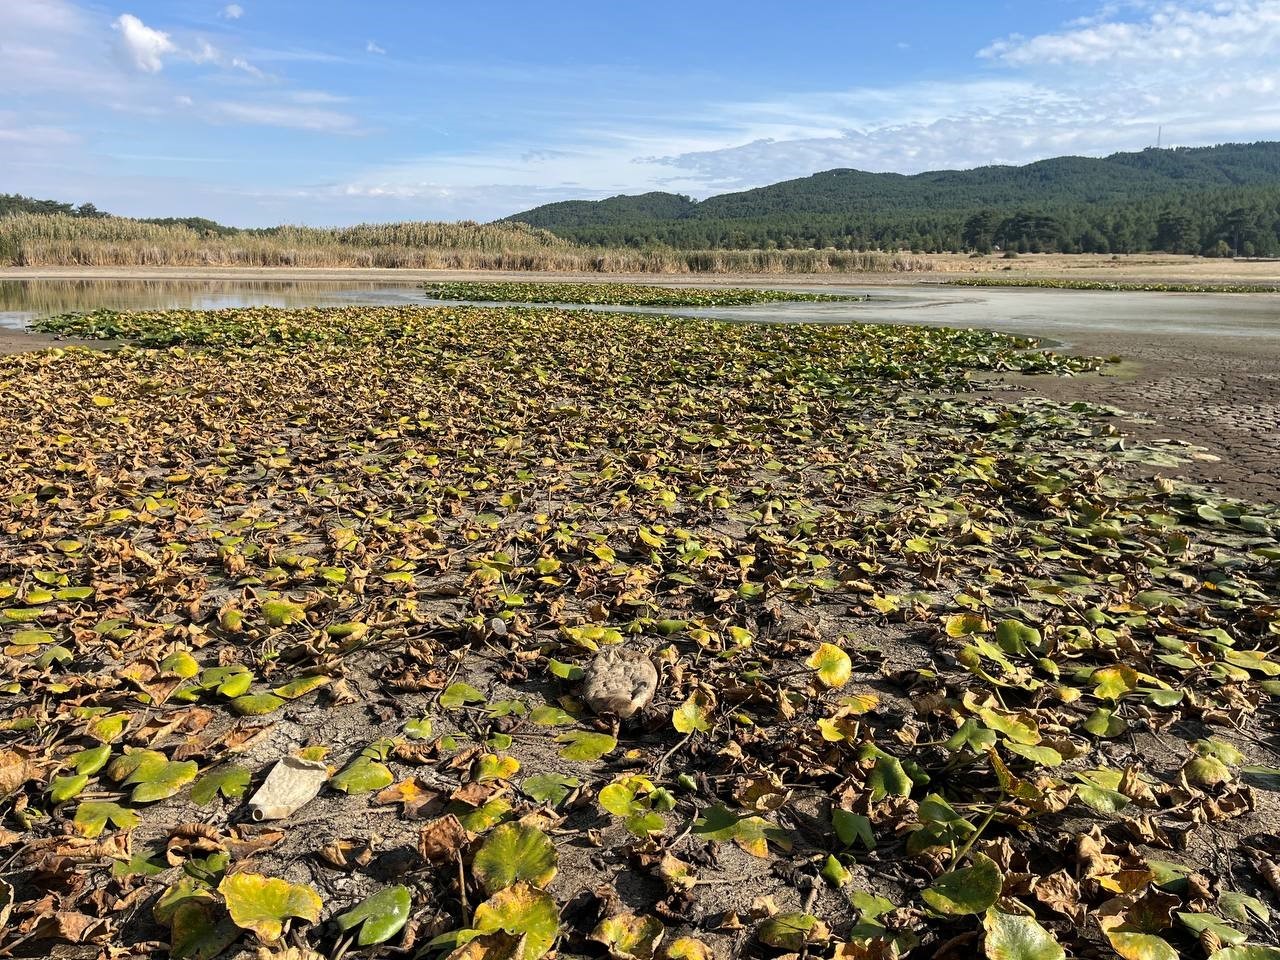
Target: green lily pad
{"type": "Point", "coordinates": [1015, 936]}
{"type": "Point", "coordinates": [513, 853]}
{"type": "Point", "coordinates": [971, 889]}
{"type": "Point", "coordinates": [198, 930]}
{"type": "Point", "coordinates": [521, 911]}
{"type": "Point", "coordinates": [692, 715]}
{"type": "Point", "coordinates": [257, 704]}
{"type": "Point", "coordinates": [282, 613]}
{"type": "Point", "coordinates": [62, 789]}
{"type": "Point", "coordinates": [380, 917]}
{"type": "Point", "coordinates": [460, 694]}
{"type": "Point", "coordinates": [629, 936]}
{"type": "Point", "coordinates": [263, 904]}
{"type": "Point", "coordinates": [831, 665]}
{"type": "Point", "coordinates": [584, 745]}
{"type": "Point", "coordinates": [362, 775]}
{"type": "Point", "coordinates": [550, 788]}
{"type": "Point", "coordinates": [164, 782]}
{"type": "Point", "coordinates": [792, 931]}
{"type": "Point", "coordinates": [92, 817]}
{"type": "Point", "coordinates": [229, 780]}
{"type": "Point", "coordinates": [300, 687]}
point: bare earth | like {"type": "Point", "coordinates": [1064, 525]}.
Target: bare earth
{"type": "Point", "coordinates": [1219, 394]}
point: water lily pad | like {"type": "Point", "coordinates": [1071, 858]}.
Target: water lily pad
{"type": "Point", "coordinates": [831, 664]}
{"type": "Point", "coordinates": [546, 715]}
{"type": "Point", "coordinates": [550, 787]}
{"type": "Point", "coordinates": [229, 780]}
{"type": "Point", "coordinates": [583, 745]}
{"type": "Point", "coordinates": [62, 789]}
{"type": "Point", "coordinates": [970, 889]}
{"type": "Point", "coordinates": [1016, 936]}
{"type": "Point", "coordinates": [198, 930]}
{"type": "Point", "coordinates": [522, 911]}
{"type": "Point", "coordinates": [687, 948]}
{"type": "Point", "coordinates": [301, 687]}
{"type": "Point", "coordinates": [283, 613]}
{"type": "Point", "coordinates": [630, 936]}
{"type": "Point", "coordinates": [692, 715]}
{"type": "Point", "coordinates": [1140, 946]}
{"type": "Point", "coordinates": [380, 917]}
{"type": "Point", "coordinates": [164, 782]}
{"type": "Point", "coordinates": [262, 904]}
{"type": "Point", "coordinates": [92, 817]}
{"type": "Point", "coordinates": [362, 775]}
{"type": "Point", "coordinates": [460, 694]}
{"type": "Point", "coordinates": [1112, 683]}
{"type": "Point", "coordinates": [792, 931]}
{"type": "Point", "coordinates": [491, 766]}
{"type": "Point", "coordinates": [513, 853]}
{"type": "Point", "coordinates": [257, 704]}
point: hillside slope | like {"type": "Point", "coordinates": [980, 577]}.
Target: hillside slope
{"type": "Point", "coordinates": [870, 207]}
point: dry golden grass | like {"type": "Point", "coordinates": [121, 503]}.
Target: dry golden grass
{"type": "Point", "coordinates": [1169, 267]}
{"type": "Point", "coordinates": [36, 240]}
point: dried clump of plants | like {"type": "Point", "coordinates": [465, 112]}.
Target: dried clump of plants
{"type": "Point", "coordinates": [622, 294]}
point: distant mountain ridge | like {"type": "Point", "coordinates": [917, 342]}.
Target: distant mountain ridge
{"type": "Point", "coordinates": [866, 206]}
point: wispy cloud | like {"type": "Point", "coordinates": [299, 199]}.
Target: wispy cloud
{"type": "Point", "coordinates": [13, 133]}
{"type": "Point", "coordinates": [371, 47]}
{"type": "Point", "coordinates": [232, 11]}
{"type": "Point", "coordinates": [291, 115]}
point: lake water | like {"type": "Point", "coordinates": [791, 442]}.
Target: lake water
{"type": "Point", "coordinates": [1062, 315]}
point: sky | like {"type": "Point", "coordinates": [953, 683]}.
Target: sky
{"type": "Point", "coordinates": [331, 112]}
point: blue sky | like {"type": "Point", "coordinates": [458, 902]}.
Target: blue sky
{"type": "Point", "coordinates": [334, 111]}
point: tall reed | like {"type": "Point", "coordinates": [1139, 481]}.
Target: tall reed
{"type": "Point", "coordinates": [59, 240]}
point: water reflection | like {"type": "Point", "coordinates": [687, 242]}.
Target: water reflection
{"type": "Point", "coordinates": [1061, 315]}
{"type": "Point", "coordinates": [25, 300]}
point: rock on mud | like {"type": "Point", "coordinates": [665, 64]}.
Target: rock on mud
{"type": "Point", "coordinates": [291, 783]}
{"type": "Point", "coordinates": [619, 682]}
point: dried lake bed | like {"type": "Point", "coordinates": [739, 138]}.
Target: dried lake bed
{"type": "Point", "coordinates": [1201, 369]}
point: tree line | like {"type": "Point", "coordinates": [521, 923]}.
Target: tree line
{"type": "Point", "coordinates": [1229, 222]}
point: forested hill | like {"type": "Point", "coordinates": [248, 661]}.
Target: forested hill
{"type": "Point", "coordinates": [1185, 199]}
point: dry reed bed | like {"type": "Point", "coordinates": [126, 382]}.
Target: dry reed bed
{"type": "Point", "coordinates": [55, 240]}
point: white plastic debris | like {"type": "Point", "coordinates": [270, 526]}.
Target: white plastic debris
{"type": "Point", "coordinates": [619, 682]}
{"type": "Point", "coordinates": [291, 783]}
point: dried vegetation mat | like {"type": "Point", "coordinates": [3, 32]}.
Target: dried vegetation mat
{"type": "Point", "coordinates": [505, 633]}
{"type": "Point", "coordinates": [621, 294]}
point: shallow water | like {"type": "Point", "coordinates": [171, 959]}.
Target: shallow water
{"type": "Point", "coordinates": [1063, 315]}
{"type": "Point", "coordinates": [24, 300]}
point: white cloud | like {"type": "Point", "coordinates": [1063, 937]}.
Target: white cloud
{"type": "Point", "coordinates": [293, 116]}
{"type": "Point", "coordinates": [1207, 70]}
{"type": "Point", "coordinates": [1171, 32]}
{"type": "Point", "coordinates": [205, 52]}
{"type": "Point", "coordinates": [144, 47]}
{"type": "Point", "coordinates": [13, 133]}
{"type": "Point", "coordinates": [232, 11]}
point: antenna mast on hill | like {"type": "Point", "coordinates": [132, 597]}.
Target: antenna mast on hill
{"type": "Point", "coordinates": [1159, 135]}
